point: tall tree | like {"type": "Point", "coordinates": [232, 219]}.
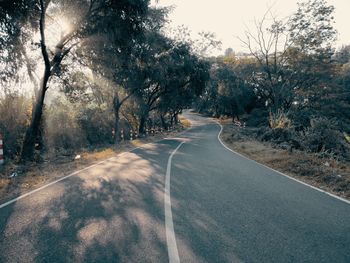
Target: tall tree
{"type": "Point", "coordinates": [118, 63]}
{"type": "Point", "coordinates": [268, 45]}
{"type": "Point", "coordinates": [166, 67]}
{"type": "Point", "coordinates": [112, 20]}
{"type": "Point", "coordinates": [312, 36]}
{"type": "Point", "coordinates": [294, 55]}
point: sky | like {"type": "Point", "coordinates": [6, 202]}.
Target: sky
{"type": "Point", "coordinates": [229, 18]}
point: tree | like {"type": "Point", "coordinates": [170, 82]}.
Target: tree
{"type": "Point", "coordinates": [191, 79]}
{"type": "Point", "coordinates": [160, 67]}
{"type": "Point", "coordinates": [268, 47]}
{"type": "Point", "coordinates": [228, 92]}
{"type": "Point", "coordinates": [236, 95]}
{"type": "Point", "coordinates": [294, 56]}
{"type": "Point", "coordinates": [118, 63]}
{"type": "Point", "coordinates": [342, 56]}
{"type": "Point", "coordinates": [311, 59]}
{"type": "Point", "coordinates": [13, 35]}
{"type": "Point", "coordinates": [112, 20]}
{"type": "Point", "coordinates": [310, 54]}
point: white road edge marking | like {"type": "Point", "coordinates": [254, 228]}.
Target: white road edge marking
{"type": "Point", "coordinates": [84, 169]}
{"type": "Point", "coordinates": [60, 179]}
{"type": "Point", "coordinates": [169, 225]}
{"type": "Point", "coordinates": [70, 175]}
{"type": "Point", "coordinates": [291, 178]}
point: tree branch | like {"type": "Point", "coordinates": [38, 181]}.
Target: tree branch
{"type": "Point", "coordinates": [42, 34]}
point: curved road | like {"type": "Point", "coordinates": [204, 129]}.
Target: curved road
{"type": "Point", "coordinates": [200, 203]}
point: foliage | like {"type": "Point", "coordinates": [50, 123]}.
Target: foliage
{"type": "Point", "coordinates": [228, 92]}
{"type": "Point", "coordinates": [112, 22]}
{"type": "Point", "coordinates": [115, 68]}
{"type": "Point", "coordinates": [279, 120]}
{"type": "Point", "coordinates": [311, 27]}
{"type": "Point", "coordinates": [61, 128]}
{"type": "Point", "coordinates": [291, 84]}
{"type": "Point", "coordinates": [14, 118]}
{"type": "Point", "coordinates": [323, 137]}
{"type": "Point", "coordinates": [96, 125]}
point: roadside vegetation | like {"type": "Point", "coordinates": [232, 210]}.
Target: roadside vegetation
{"type": "Point", "coordinates": [82, 78]}
{"type": "Point", "coordinates": [82, 75]}
{"type": "Point", "coordinates": [18, 178]}
{"type": "Point", "coordinates": [85, 74]}
{"type": "Point", "coordinates": [290, 92]}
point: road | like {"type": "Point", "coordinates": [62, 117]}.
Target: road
{"type": "Point", "coordinates": [219, 207]}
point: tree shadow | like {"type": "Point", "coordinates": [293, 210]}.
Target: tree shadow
{"type": "Point", "coordinates": [111, 213]}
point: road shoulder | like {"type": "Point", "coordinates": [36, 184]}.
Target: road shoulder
{"type": "Point", "coordinates": [328, 175]}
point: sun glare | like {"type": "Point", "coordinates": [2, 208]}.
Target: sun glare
{"type": "Point", "coordinates": [64, 25]}
{"type": "Point", "coordinates": [56, 28]}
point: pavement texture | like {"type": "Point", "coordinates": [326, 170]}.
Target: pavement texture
{"type": "Point", "coordinates": [225, 208]}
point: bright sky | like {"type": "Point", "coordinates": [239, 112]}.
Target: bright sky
{"type": "Point", "coordinates": [227, 18]}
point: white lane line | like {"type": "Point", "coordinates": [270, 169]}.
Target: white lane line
{"type": "Point", "coordinates": [169, 225]}
{"type": "Point", "coordinates": [291, 178]}
{"type": "Point", "coordinates": [70, 175]}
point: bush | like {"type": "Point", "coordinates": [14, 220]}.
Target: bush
{"type": "Point", "coordinates": [96, 125]}
{"type": "Point", "coordinates": [323, 137]}
{"type": "Point", "coordinates": [15, 114]}
{"type": "Point", "coordinates": [258, 117]}
{"type": "Point", "coordinates": [279, 120]}
{"type": "Point", "coordinates": [61, 127]}
{"type": "Point", "coordinates": [301, 118]}
{"type": "Point", "coordinates": [277, 135]}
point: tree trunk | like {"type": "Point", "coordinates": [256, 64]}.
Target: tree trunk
{"type": "Point", "coordinates": [143, 121]}
{"type": "Point", "coordinates": [116, 125]}
{"type": "Point", "coordinates": [116, 108]}
{"type": "Point", "coordinates": [142, 124]}
{"type": "Point", "coordinates": [164, 124]}
{"type": "Point", "coordinates": [33, 130]}
{"type": "Point", "coordinates": [171, 120]}
{"type": "Point", "coordinates": [234, 112]}
{"type": "Point", "coordinates": [176, 119]}
{"type": "Point", "coordinates": [216, 111]}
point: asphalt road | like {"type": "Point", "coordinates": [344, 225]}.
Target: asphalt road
{"type": "Point", "coordinates": [224, 208]}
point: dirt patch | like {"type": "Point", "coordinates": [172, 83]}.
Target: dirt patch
{"type": "Point", "coordinates": [18, 179]}
{"type": "Point", "coordinates": [325, 173]}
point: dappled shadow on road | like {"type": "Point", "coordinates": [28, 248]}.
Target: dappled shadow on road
{"type": "Point", "coordinates": [111, 213]}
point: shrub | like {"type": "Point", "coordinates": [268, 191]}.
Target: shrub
{"type": "Point", "coordinates": [15, 113]}
{"type": "Point", "coordinates": [61, 127]}
{"type": "Point", "coordinates": [257, 117]}
{"type": "Point", "coordinates": [96, 125]}
{"type": "Point", "coordinates": [323, 137]}
{"type": "Point", "coordinates": [279, 120]}
{"type": "Point", "coordinates": [277, 135]}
